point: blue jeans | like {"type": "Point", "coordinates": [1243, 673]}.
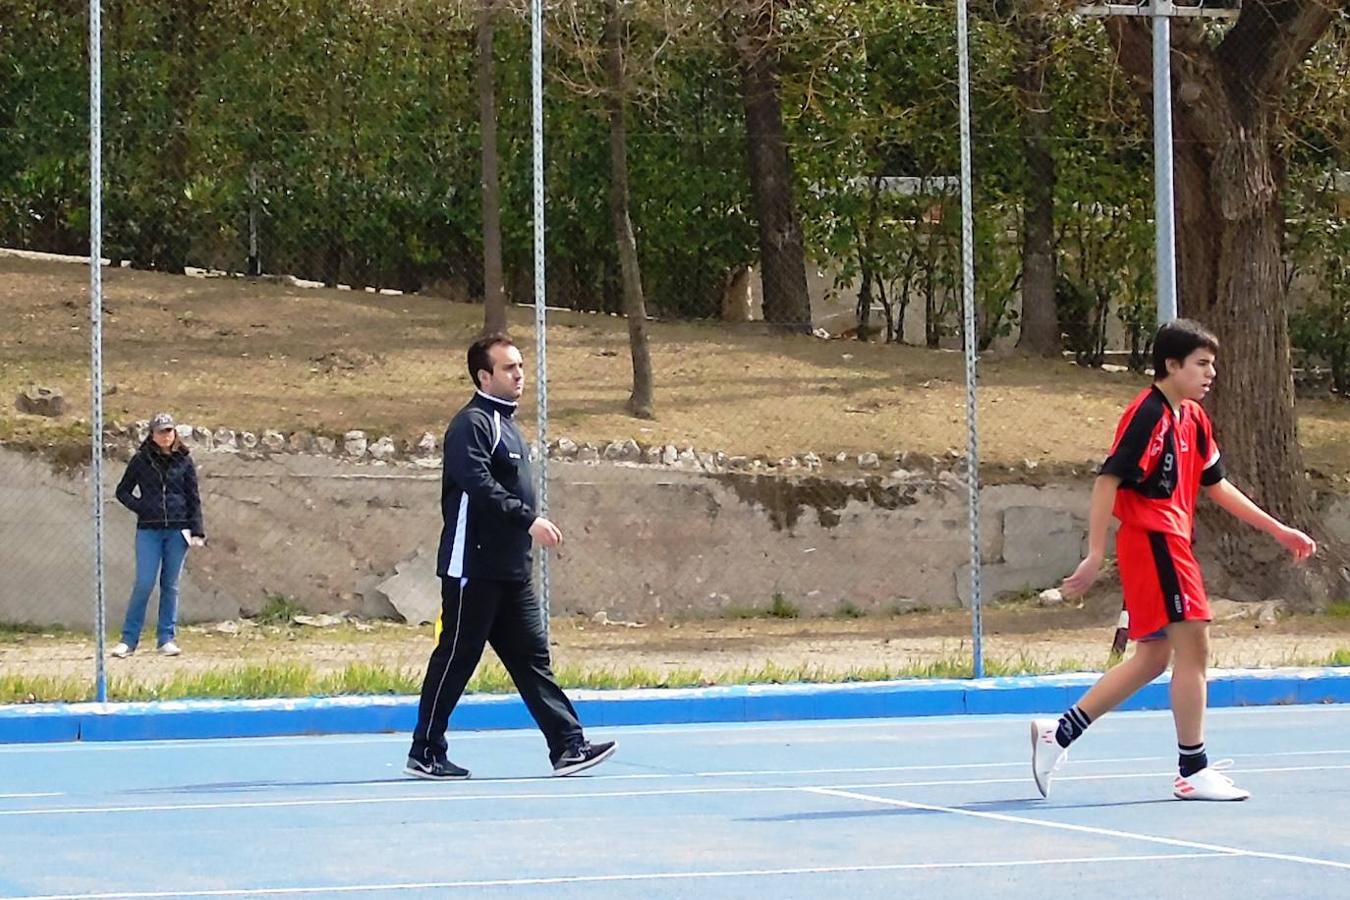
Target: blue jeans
{"type": "Point", "coordinates": [159, 554]}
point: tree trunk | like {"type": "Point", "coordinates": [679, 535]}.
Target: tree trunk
{"type": "Point", "coordinates": [494, 292]}
{"type": "Point", "coordinates": [634, 303]}
{"type": "Point", "coordinates": [866, 266]}
{"type": "Point", "coordinates": [1040, 321]}
{"type": "Point", "coordinates": [932, 325]}
{"type": "Point", "coordinates": [170, 232]}
{"type": "Point", "coordinates": [787, 304]}
{"type": "Point", "coordinates": [1230, 177]}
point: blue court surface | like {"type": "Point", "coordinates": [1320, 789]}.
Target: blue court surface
{"type": "Point", "coordinates": [934, 807]}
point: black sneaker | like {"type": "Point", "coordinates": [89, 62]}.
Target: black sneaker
{"type": "Point", "coordinates": [437, 770]}
{"type": "Point", "coordinates": [581, 756]}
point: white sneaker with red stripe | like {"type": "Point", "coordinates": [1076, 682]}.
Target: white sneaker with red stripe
{"type": "Point", "coordinates": [1208, 784]}
{"type": "Point", "coordinates": [1046, 753]}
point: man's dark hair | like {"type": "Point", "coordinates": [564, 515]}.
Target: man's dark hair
{"type": "Point", "coordinates": [480, 356]}
{"type": "Point", "coordinates": [1177, 340]}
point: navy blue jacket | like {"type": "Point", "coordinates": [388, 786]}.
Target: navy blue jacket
{"type": "Point", "coordinates": [161, 489]}
{"type": "Point", "coordinates": [487, 495]}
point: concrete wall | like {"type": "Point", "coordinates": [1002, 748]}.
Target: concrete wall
{"type": "Point", "coordinates": [47, 551]}
{"type": "Point", "coordinates": [651, 543]}
{"type": "Point", "coordinates": [641, 541]}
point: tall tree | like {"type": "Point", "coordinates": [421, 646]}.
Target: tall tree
{"type": "Point", "coordinates": [166, 233]}
{"type": "Point", "coordinates": [1030, 24]}
{"type": "Point", "coordinates": [494, 292]}
{"type": "Point", "coordinates": [634, 302]}
{"type": "Point", "coordinates": [787, 305]}
{"type": "Point", "coordinates": [616, 66]}
{"type": "Point", "coordinates": [1230, 94]}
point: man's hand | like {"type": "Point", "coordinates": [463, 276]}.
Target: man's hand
{"type": "Point", "coordinates": [1296, 542]}
{"type": "Point", "coordinates": [545, 533]}
{"type": "Point", "coordinates": [1077, 584]}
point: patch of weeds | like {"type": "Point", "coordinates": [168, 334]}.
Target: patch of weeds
{"type": "Point", "coordinates": [908, 608]}
{"type": "Point", "coordinates": [849, 610]}
{"type": "Point", "coordinates": [783, 608]}
{"type": "Point", "coordinates": [15, 632]}
{"type": "Point", "coordinates": [1024, 597]}
{"type": "Point", "coordinates": [742, 612]}
{"type": "Point", "coordinates": [279, 610]}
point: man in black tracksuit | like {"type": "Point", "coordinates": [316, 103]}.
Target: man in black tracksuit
{"type": "Point", "coordinates": [488, 509]}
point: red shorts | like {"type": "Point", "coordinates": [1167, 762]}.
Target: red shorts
{"type": "Point", "coordinates": [1161, 580]}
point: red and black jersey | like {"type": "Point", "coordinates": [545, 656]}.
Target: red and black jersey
{"type": "Point", "coordinates": [1162, 458]}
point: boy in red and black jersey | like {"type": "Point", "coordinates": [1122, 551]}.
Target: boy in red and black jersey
{"type": "Point", "coordinates": [1163, 454]}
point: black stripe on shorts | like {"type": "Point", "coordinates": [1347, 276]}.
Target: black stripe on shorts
{"type": "Point", "coordinates": [1168, 579]}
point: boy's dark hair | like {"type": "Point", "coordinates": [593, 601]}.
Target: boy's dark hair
{"type": "Point", "coordinates": [1177, 340]}
{"type": "Point", "coordinates": [480, 357]}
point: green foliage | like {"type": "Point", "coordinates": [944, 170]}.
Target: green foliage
{"type": "Point", "coordinates": [349, 132]}
{"type": "Point", "coordinates": [1320, 250]}
{"type": "Point", "coordinates": [849, 610]}
{"type": "Point", "coordinates": [44, 159]}
{"type": "Point", "coordinates": [295, 679]}
{"type": "Point", "coordinates": [1103, 201]}
{"type": "Point", "coordinates": [876, 142]}
{"type": "Point", "coordinates": [279, 610]}
{"type": "Point", "coordinates": [783, 608]}
{"type": "Point", "coordinates": [18, 632]}
{"type": "Point", "coordinates": [1318, 234]}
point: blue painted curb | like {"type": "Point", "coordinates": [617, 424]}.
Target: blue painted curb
{"type": "Point", "coordinates": [197, 719]}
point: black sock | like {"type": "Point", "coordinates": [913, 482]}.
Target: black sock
{"type": "Point", "coordinates": [1191, 759]}
{"type": "Point", "coordinates": [1071, 726]}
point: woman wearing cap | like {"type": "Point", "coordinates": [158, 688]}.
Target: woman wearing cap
{"type": "Point", "coordinates": [160, 487]}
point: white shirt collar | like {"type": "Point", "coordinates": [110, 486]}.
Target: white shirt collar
{"type": "Point", "coordinates": [511, 403]}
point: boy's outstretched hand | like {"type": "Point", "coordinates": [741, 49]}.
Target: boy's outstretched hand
{"type": "Point", "coordinates": [1083, 576]}
{"type": "Point", "coordinates": [1297, 543]}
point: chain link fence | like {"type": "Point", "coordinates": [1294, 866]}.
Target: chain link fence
{"type": "Point", "coordinates": [755, 433]}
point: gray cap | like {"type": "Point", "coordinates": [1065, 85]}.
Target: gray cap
{"type": "Point", "coordinates": [162, 422]}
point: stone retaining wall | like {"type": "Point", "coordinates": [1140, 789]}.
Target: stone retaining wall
{"type": "Point", "coordinates": [695, 535]}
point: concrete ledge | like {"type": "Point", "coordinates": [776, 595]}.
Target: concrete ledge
{"type": "Point", "coordinates": [197, 719]}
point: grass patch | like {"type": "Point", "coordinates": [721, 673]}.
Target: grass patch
{"type": "Point", "coordinates": [231, 683]}
{"type": "Point", "coordinates": [908, 609]}
{"type": "Point", "coordinates": [43, 689]}
{"type": "Point", "coordinates": [849, 610]}
{"type": "Point", "coordinates": [1339, 609]}
{"type": "Point", "coordinates": [783, 608]}
{"type": "Point", "coordinates": [780, 607]}
{"type": "Point", "coordinates": [279, 610]}
{"type": "Point", "coordinates": [1339, 657]}
{"type": "Point", "coordinates": [1011, 599]}
{"type": "Point", "coordinates": [301, 680]}
{"type": "Point", "coordinates": [742, 612]}
{"type": "Point", "coordinates": [14, 632]}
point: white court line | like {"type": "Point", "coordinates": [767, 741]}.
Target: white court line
{"type": "Point", "coordinates": [602, 879]}
{"type": "Point", "coordinates": [852, 770]}
{"type": "Point", "coordinates": [784, 773]}
{"type": "Point", "coordinates": [936, 767]}
{"type": "Point", "coordinates": [595, 795]}
{"type": "Point", "coordinates": [1081, 829]}
{"type": "Point", "coordinates": [699, 728]}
